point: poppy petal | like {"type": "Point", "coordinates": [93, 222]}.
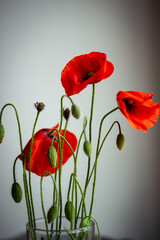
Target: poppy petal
{"type": "Point", "coordinates": [41, 144]}
{"type": "Point", "coordinates": [85, 69]}
{"type": "Point", "coordinates": [138, 108]}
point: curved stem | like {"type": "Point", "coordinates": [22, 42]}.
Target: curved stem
{"type": "Point", "coordinates": [69, 188]}
{"type": "Point", "coordinates": [97, 154]}
{"type": "Point", "coordinates": [25, 187]}
{"type": "Point", "coordinates": [79, 141]}
{"type": "Point", "coordinates": [19, 127]}
{"type": "Point", "coordinates": [61, 118]}
{"type": "Point", "coordinates": [107, 135]}
{"type": "Point", "coordinates": [42, 202]}
{"type": "Point", "coordinates": [24, 172]}
{"type": "Point", "coordinates": [69, 147]}
{"type": "Point", "coordinates": [101, 123]}
{"type": "Point", "coordinates": [14, 167]}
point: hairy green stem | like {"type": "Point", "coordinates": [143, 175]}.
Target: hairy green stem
{"type": "Point", "coordinates": [30, 155]}
{"type": "Point", "coordinates": [24, 172]}
{"type": "Point", "coordinates": [90, 132]}
{"type": "Point", "coordinates": [91, 114]}
{"type": "Point", "coordinates": [59, 181]}
{"type": "Point", "coordinates": [28, 204]}
{"type": "Point", "coordinates": [97, 154]}
{"type": "Point", "coordinates": [75, 172]}
{"type": "Point", "coordinates": [90, 139]}
{"type": "Point", "coordinates": [83, 198]}
{"type": "Point", "coordinates": [43, 209]}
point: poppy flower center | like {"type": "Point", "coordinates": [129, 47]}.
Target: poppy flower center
{"type": "Point", "coordinates": [130, 104]}
{"type": "Point", "coordinates": [49, 135]}
{"type": "Point", "coordinates": [87, 75]}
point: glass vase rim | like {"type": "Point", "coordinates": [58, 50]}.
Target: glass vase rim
{"type": "Point", "coordinates": [92, 224]}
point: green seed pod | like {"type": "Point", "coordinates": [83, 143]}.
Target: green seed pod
{"type": "Point", "coordinates": [52, 213]}
{"type": "Point", "coordinates": [1, 132]}
{"type": "Point", "coordinates": [52, 156]}
{"type": "Point", "coordinates": [120, 141]}
{"type": "Point", "coordinates": [69, 211]}
{"type": "Point", "coordinates": [16, 192]}
{"type": "Point", "coordinates": [87, 148]}
{"type": "Point", "coordinates": [75, 111]}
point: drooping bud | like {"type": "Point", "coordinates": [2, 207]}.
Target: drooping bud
{"type": "Point", "coordinates": [1, 133]}
{"type": "Point", "coordinates": [16, 192]}
{"type": "Point", "coordinates": [39, 106]}
{"type": "Point", "coordinates": [52, 213]}
{"type": "Point", "coordinates": [52, 156]}
{"type": "Point", "coordinates": [75, 111]}
{"type": "Point", "coordinates": [87, 148]}
{"type": "Point", "coordinates": [69, 211]}
{"type": "Point", "coordinates": [120, 141]}
{"type": "Point", "coordinates": [66, 113]}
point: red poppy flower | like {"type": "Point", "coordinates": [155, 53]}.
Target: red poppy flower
{"type": "Point", "coordinates": [41, 144]}
{"type": "Point", "coordinates": [85, 69]}
{"type": "Point", "coordinates": [138, 108]}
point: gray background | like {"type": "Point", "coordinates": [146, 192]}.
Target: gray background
{"type": "Point", "coordinates": [37, 39]}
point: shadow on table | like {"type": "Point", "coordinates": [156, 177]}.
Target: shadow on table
{"type": "Point", "coordinates": [20, 237]}
{"type": "Point", "coordinates": [23, 237]}
{"type": "Point", "coordinates": [110, 238]}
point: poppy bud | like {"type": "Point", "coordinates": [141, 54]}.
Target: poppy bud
{"type": "Point", "coordinates": [75, 111]}
{"type": "Point", "coordinates": [52, 156]}
{"type": "Point", "coordinates": [1, 132]}
{"type": "Point", "coordinates": [69, 211]}
{"type": "Point", "coordinates": [16, 192]}
{"type": "Point", "coordinates": [87, 148]}
{"type": "Point", "coordinates": [52, 213]}
{"type": "Point", "coordinates": [66, 113]}
{"type": "Point", "coordinates": [120, 141]}
{"type": "Point", "coordinates": [84, 223]}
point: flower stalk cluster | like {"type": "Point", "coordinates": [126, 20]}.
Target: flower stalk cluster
{"type": "Point", "coordinates": [50, 148]}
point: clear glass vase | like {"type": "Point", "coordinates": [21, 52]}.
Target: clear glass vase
{"type": "Point", "coordinates": [66, 233]}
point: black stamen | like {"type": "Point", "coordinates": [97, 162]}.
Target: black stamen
{"type": "Point", "coordinates": [87, 75]}
{"type": "Point", "coordinates": [130, 104]}
{"type": "Point", "coordinates": [49, 135]}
